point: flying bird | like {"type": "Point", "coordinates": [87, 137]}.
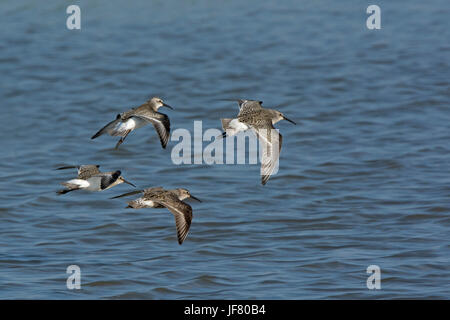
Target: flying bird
{"type": "Point", "coordinates": [135, 118]}
{"type": "Point", "coordinates": [261, 120]}
{"type": "Point", "coordinates": [159, 197]}
{"type": "Point", "coordinates": [90, 178]}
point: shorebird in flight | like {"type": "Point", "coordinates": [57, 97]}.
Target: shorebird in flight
{"type": "Point", "coordinates": [135, 118]}
{"type": "Point", "coordinates": [90, 178]}
{"type": "Point", "coordinates": [171, 199]}
{"type": "Point", "coordinates": [261, 120]}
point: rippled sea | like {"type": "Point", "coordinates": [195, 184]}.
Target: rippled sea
{"type": "Point", "coordinates": [364, 176]}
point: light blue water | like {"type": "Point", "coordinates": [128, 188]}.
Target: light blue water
{"type": "Point", "coordinates": [364, 177]}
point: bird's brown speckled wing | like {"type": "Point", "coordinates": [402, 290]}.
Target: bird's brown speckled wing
{"type": "Point", "coordinates": [248, 106]}
{"type": "Point", "coordinates": [182, 212]}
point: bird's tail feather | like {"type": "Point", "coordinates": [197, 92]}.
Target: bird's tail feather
{"type": "Point", "coordinates": [226, 123]}
{"type": "Point", "coordinates": [225, 126]}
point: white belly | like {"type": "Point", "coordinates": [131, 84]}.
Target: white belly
{"type": "Point", "coordinates": [80, 183]}
{"type": "Point", "coordinates": [237, 125]}
{"type": "Point", "coordinates": [136, 122]}
{"type": "Point", "coordinates": [129, 125]}
{"type": "Point", "coordinates": [147, 203]}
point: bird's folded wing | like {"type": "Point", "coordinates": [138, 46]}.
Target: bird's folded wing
{"type": "Point", "coordinates": [153, 192]}
{"type": "Point", "coordinates": [161, 123]}
{"type": "Point", "coordinates": [87, 171]}
{"type": "Point", "coordinates": [270, 147]}
{"type": "Point", "coordinates": [182, 212]}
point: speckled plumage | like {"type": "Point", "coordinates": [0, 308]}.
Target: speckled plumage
{"type": "Point", "coordinates": [159, 197]}
{"type": "Point", "coordinates": [253, 116]}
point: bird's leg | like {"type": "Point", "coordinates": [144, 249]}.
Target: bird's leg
{"type": "Point", "coordinates": [222, 136]}
{"type": "Point", "coordinates": [122, 139]}
{"type": "Point", "coordinates": [119, 143]}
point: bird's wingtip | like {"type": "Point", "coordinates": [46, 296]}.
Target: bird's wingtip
{"type": "Point", "coordinates": [264, 180]}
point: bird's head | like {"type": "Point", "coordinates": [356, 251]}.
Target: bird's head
{"type": "Point", "coordinates": [157, 103]}
{"type": "Point", "coordinates": [121, 179]}
{"type": "Point", "coordinates": [278, 116]}
{"type": "Point", "coordinates": [184, 194]}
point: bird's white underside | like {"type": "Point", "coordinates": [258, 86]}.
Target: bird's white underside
{"type": "Point", "coordinates": [91, 184]}
{"type": "Point", "coordinates": [80, 183]}
{"type": "Point", "coordinates": [148, 203]}
{"type": "Point", "coordinates": [237, 127]}
{"type": "Point", "coordinates": [130, 124]}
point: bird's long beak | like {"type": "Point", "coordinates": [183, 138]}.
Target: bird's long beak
{"type": "Point", "coordinates": [288, 120]}
{"type": "Point", "coordinates": [195, 198]}
{"type": "Point", "coordinates": [128, 182]}
{"type": "Point", "coordinates": [167, 106]}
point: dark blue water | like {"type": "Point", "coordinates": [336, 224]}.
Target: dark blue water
{"type": "Point", "coordinates": [364, 176]}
